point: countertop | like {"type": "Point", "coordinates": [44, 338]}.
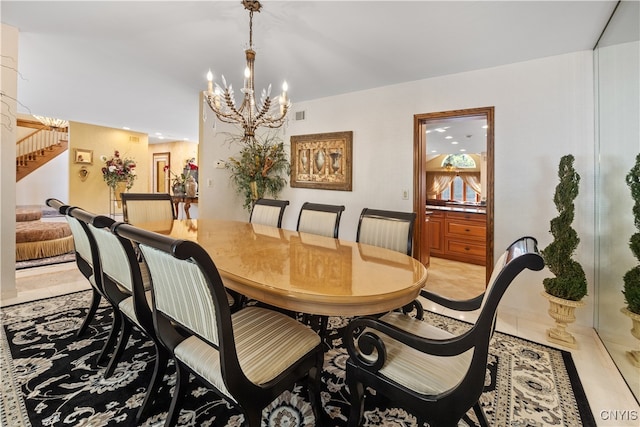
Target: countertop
{"type": "Point", "coordinates": [461, 208]}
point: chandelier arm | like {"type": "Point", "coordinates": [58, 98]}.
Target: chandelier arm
{"type": "Point", "coordinates": [231, 117]}
{"type": "Point", "coordinates": [274, 122]}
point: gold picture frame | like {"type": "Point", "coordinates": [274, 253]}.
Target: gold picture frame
{"type": "Point", "coordinates": [322, 160]}
{"type": "Point", "coordinates": [82, 156]}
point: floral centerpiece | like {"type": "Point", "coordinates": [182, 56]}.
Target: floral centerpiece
{"type": "Point", "coordinates": [118, 169]}
{"type": "Point", "coordinates": [179, 182]}
{"type": "Point", "coordinates": [259, 168]}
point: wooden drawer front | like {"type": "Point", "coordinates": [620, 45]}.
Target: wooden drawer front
{"type": "Point", "coordinates": [467, 249]}
{"type": "Point", "coordinates": [435, 214]}
{"type": "Point", "coordinates": [470, 230]}
{"type": "Point", "coordinates": [467, 216]}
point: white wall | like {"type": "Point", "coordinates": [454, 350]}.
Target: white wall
{"type": "Point", "coordinates": [50, 180]}
{"type": "Point", "coordinates": [543, 110]}
{"type": "Point", "coordinates": [9, 84]}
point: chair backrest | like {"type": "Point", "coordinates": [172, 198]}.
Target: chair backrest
{"type": "Point", "coordinates": [87, 256]}
{"type": "Point", "coordinates": [57, 205]}
{"type": "Point", "coordinates": [121, 270]}
{"type": "Point", "coordinates": [186, 286]}
{"type": "Point", "coordinates": [268, 212]}
{"type": "Point", "coordinates": [147, 207]}
{"type": "Point", "coordinates": [387, 229]}
{"type": "Point", "coordinates": [320, 219]}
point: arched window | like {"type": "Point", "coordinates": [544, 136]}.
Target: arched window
{"type": "Point", "coordinates": [459, 161]}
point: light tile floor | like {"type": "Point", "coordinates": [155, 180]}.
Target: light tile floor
{"type": "Point", "coordinates": [611, 401]}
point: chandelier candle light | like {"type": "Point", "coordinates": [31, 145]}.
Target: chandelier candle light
{"type": "Point", "coordinates": [249, 115]}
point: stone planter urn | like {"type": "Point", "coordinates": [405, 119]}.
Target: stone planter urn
{"type": "Point", "coordinates": [563, 312]}
{"type": "Point", "coordinates": [634, 355]}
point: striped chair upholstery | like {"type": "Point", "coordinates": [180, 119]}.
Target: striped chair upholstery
{"type": "Point", "coordinates": [138, 208]}
{"type": "Point", "coordinates": [85, 253]}
{"type": "Point", "coordinates": [387, 229]}
{"type": "Point", "coordinates": [268, 212]}
{"type": "Point", "coordinates": [126, 283]}
{"type": "Point", "coordinates": [320, 219]}
{"type": "Point", "coordinates": [249, 357]}
{"type": "Point", "coordinates": [436, 374]}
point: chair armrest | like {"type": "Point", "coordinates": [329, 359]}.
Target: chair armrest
{"type": "Point", "coordinates": [367, 349]}
{"type": "Point", "coordinates": [458, 305]}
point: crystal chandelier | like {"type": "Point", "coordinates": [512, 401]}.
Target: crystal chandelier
{"type": "Point", "coordinates": [52, 123]}
{"type": "Point", "coordinates": [250, 115]}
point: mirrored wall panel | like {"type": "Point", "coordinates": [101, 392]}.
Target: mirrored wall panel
{"type": "Point", "coordinates": [617, 88]}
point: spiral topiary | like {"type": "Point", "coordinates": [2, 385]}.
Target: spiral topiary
{"type": "Point", "coordinates": [570, 282]}
{"type": "Point", "coordinates": [632, 277]}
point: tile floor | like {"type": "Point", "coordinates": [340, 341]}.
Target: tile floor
{"type": "Point", "coordinates": [611, 401]}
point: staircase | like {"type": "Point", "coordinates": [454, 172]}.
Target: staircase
{"type": "Point", "coordinates": [39, 147]}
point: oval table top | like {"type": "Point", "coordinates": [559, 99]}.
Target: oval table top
{"type": "Point", "coordinates": [303, 272]}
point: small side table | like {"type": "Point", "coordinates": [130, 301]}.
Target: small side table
{"type": "Point", "coordinates": [187, 204]}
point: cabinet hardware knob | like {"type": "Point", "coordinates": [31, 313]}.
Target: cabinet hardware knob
{"type": "Point", "coordinates": [467, 230]}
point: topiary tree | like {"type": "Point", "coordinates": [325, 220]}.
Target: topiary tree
{"type": "Point", "coordinates": [632, 277]}
{"type": "Point", "coordinates": [570, 282]}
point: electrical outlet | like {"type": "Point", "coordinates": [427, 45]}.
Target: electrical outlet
{"type": "Point", "coordinates": [209, 182]}
{"type": "Point", "coordinates": [405, 194]}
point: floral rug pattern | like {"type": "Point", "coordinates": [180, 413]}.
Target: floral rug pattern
{"type": "Point", "coordinates": [50, 378]}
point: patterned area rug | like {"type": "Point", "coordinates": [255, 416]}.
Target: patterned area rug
{"type": "Point", "coordinates": [58, 259]}
{"type": "Point", "coordinates": [50, 378]}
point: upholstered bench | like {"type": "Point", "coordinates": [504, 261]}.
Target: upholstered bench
{"type": "Point", "coordinates": [37, 239]}
{"type": "Point", "coordinates": [28, 214]}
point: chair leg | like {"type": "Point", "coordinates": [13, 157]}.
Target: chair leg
{"type": "Point", "coordinates": [356, 389]}
{"type": "Point", "coordinates": [482, 419]}
{"type": "Point", "coordinates": [95, 302]}
{"type": "Point", "coordinates": [182, 380]}
{"type": "Point", "coordinates": [125, 333]}
{"type": "Point", "coordinates": [313, 387]}
{"type": "Point", "coordinates": [159, 370]}
{"type": "Point", "coordinates": [116, 325]}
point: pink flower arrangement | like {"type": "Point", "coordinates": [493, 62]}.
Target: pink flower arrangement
{"type": "Point", "coordinates": [118, 169]}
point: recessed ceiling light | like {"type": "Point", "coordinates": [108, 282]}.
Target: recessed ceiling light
{"type": "Point", "coordinates": [462, 150]}
{"type": "Point", "coordinates": [440, 130]}
{"type": "Point", "coordinates": [428, 131]}
{"type": "Point", "coordinates": [158, 133]}
{"type": "Point", "coordinates": [454, 142]}
{"type": "Point", "coordinates": [185, 139]}
{"type": "Point", "coordinates": [161, 137]}
{"type": "Point", "coordinates": [485, 126]}
{"type": "Point", "coordinates": [448, 137]}
{"type": "Point", "coordinates": [126, 128]}
{"type": "Point", "coordinates": [434, 151]}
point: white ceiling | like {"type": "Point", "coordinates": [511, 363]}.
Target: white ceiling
{"type": "Point", "coordinates": [142, 64]}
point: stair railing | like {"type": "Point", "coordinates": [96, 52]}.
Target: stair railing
{"type": "Point", "coordinates": [36, 143]}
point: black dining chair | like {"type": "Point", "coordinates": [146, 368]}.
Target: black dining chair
{"type": "Point", "coordinates": [268, 212]}
{"type": "Point", "coordinates": [248, 358]}
{"type": "Point", "coordinates": [436, 374]}
{"type": "Point", "coordinates": [387, 229]}
{"type": "Point", "coordinates": [138, 208]}
{"type": "Point", "coordinates": [84, 261]}
{"type": "Point", "coordinates": [316, 218]}
{"type": "Point", "coordinates": [88, 261]}
{"type": "Point", "coordinates": [126, 283]}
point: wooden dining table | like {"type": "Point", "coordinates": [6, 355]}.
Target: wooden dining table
{"type": "Point", "coordinates": [303, 272]}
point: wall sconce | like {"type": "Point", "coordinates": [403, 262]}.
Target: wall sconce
{"type": "Point", "coordinates": [84, 173]}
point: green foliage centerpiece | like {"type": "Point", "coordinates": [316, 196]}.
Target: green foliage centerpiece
{"type": "Point", "coordinates": [631, 278]}
{"type": "Point", "coordinates": [260, 168]}
{"type": "Point", "coordinates": [566, 290]}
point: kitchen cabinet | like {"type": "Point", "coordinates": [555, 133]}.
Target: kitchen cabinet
{"type": "Point", "coordinates": [458, 235]}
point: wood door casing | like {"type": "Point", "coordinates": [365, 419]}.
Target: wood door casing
{"type": "Point", "coordinates": [419, 177]}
